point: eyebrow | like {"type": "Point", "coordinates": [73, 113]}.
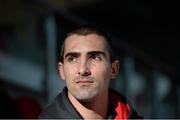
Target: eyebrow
{"type": "Point", "coordinates": [72, 54]}
{"type": "Point", "coordinates": [97, 52]}
{"type": "Point", "coordinates": [89, 53]}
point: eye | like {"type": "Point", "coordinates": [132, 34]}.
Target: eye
{"type": "Point", "coordinates": [96, 57]}
{"type": "Point", "coordinates": [71, 59]}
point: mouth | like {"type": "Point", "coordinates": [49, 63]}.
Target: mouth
{"type": "Point", "coordinates": [84, 81]}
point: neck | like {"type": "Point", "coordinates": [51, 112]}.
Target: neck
{"type": "Point", "coordinates": [96, 109]}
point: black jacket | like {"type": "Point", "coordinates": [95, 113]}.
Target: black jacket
{"type": "Point", "coordinates": [62, 108]}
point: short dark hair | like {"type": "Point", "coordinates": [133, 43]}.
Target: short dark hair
{"type": "Point", "coordinates": [86, 30]}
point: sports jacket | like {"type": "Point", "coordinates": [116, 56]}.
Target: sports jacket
{"type": "Point", "coordinates": [62, 108]}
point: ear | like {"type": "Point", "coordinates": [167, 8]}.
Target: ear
{"type": "Point", "coordinates": [61, 70]}
{"type": "Point", "coordinates": [114, 69]}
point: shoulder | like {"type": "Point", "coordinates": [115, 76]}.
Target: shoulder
{"type": "Point", "coordinates": [61, 108]}
{"type": "Point", "coordinates": [57, 108]}
{"type": "Point", "coordinates": [51, 110]}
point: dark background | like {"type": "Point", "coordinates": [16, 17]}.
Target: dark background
{"type": "Point", "coordinates": [145, 36]}
{"type": "Point", "coordinates": [149, 26]}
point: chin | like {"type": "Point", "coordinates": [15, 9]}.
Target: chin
{"type": "Point", "coordinates": [85, 98]}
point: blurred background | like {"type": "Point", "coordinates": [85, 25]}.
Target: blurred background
{"type": "Point", "coordinates": [144, 33]}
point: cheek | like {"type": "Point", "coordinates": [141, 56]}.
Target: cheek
{"type": "Point", "coordinates": [103, 78]}
{"type": "Point", "coordinates": [103, 72]}
{"type": "Point", "coordinates": [69, 72]}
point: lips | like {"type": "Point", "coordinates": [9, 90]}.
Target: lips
{"type": "Point", "coordinates": [84, 81]}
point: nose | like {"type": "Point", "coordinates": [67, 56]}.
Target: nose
{"type": "Point", "coordinates": [84, 68]}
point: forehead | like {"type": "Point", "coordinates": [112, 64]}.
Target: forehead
{"type": "Point", "coordinates": [81, 43]}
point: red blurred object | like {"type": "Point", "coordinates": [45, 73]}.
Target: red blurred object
{"type": "Point", "coordinates": [28, 107]}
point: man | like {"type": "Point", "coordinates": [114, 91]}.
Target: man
{"type": "Point", "coordinates": [88, 65]}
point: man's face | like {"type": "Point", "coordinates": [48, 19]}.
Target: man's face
{"type": "Point", "coordinates": [86, 68]}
